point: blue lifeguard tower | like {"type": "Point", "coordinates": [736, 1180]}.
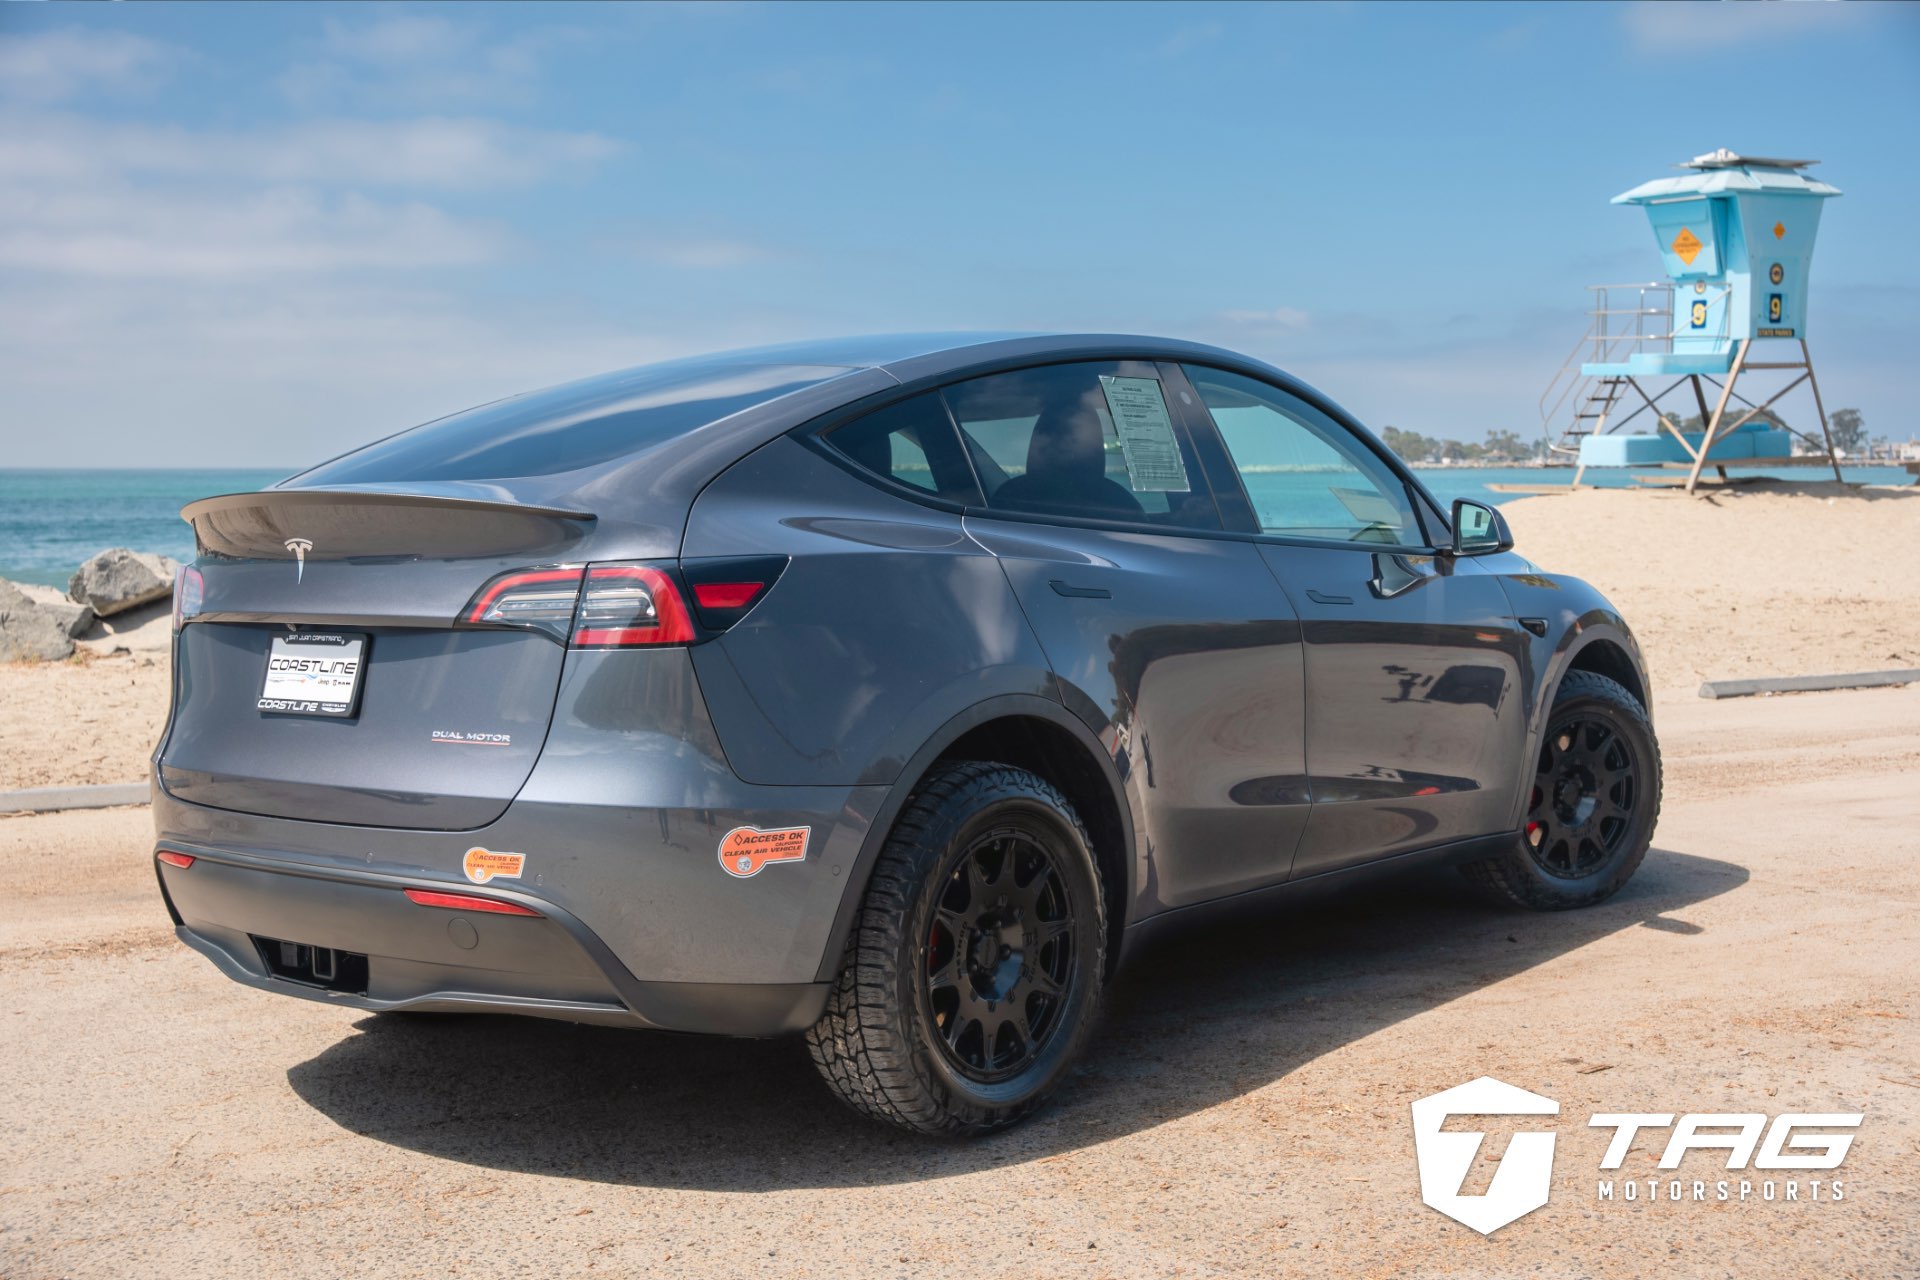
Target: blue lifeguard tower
{"type": "Point", "coordinates": [1735, 234]}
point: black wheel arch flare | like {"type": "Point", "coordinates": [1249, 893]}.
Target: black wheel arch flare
{"type": "Point", "coordinates": [1117, 866]}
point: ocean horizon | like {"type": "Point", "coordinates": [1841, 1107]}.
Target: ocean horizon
{"type": "Point", "coordinates": [52, 520]}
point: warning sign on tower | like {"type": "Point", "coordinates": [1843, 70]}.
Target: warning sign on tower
{"type": "Point", "coordinates": [1686, 246]}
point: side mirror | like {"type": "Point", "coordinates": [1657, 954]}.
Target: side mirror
{"type": "Point", "coordinates": [1479, 530]}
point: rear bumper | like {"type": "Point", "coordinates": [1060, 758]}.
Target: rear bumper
{"type": "Point", "coordinates": [233, 907]}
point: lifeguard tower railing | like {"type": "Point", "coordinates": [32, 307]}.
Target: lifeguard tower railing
{"type": "Point", "coordinates": [1624, 320]}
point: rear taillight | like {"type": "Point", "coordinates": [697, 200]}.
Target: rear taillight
{"type": "Point", "coordinates": [172, 859]}
{"type": "Point", "coordinates": [623, 605]}
{"type": "Point", "coordinates": [535, 599]}
{"type": "Point", "coordinates": [603, 606]}
{"type": "Point", "coordinates": [189, 593]}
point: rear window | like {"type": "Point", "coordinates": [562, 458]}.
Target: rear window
{"type": "Point", "coordinates": [570, 426]}
{"type": "Point", "coordinates": [910, 443]}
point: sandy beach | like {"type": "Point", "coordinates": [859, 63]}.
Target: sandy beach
{"type": "Point", "coordinates": [1243, 1111]}
{"type": "Point", "coordinates": [1774, 579]}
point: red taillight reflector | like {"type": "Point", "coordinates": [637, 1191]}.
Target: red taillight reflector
{"type": "Point", "coordinates": [467, 902]}
{"type": "Point", "coordinates": [630, 604]}
{"type": "Point", "coordinates": [172, 859]}
{"type": "Point", "coordinates": [619, 636]}
{"type": "Point", "coordinates": [726, 595]}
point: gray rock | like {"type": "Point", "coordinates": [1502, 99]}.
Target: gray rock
{"type": "Point", "coordinates": [120, 579]}
{"type": "Point", "coordinates": [76, 618]}
{"type": "Point", "coordinates": [28, 632]}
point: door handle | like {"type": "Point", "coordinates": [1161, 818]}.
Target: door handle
{"type": "Point", "coordinates": [1321, 598]}
{"type": "Point", "coordinates": [1079, 593]}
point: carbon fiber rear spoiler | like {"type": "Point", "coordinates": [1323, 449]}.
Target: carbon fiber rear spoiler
{"type": "Point", "coordinates": [340, 524]}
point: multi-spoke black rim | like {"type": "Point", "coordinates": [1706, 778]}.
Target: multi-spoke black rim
{"type": "Point", "coordinates": [999, 958]}
{"type": "Point", "coordinates": [1584, 793]}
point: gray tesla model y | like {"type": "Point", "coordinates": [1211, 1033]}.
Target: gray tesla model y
{"type": "Point", "coordinates": [884, 690]}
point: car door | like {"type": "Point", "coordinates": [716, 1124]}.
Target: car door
{"type": "Point", "coordinates": [1167, 639]}
{"type": "Point", "coordinates": [1416, 719]}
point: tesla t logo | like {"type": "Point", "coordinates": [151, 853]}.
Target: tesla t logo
{"type": "Point", "coordinates": [299, 547]}
{"type": "Point", "coordinates": [1525, 1168]}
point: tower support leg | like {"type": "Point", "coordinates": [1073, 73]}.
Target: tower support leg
{"type": "Point", "coordinates": [1719, 412]}
{"type": "Point", "coordinates": [1825, 432]}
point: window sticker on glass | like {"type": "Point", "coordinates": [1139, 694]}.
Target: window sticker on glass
{"type": "Point", "coordinates": [1145, 429]}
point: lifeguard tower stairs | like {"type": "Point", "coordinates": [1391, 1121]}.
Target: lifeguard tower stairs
{"type": "Point", "coordinates": [1736, 236]}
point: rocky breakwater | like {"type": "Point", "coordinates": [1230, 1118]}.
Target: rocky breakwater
{"type": "Point", "coordinates": [115, 597]}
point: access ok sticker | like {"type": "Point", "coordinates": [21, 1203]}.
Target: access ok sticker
{"type": "Point", "coordinates": [744, 850]}
{"type": "Point", "coordinates": [482, 865]}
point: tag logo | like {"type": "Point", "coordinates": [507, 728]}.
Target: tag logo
{"type": "Point", "coordinates": [744, 850]}
{"type": "Point", "coordinates": [482, 865]}
{"type": "Point", "coordinates": [299, 547]}
{"type": "Point", "coordinates": [1525, 1169]}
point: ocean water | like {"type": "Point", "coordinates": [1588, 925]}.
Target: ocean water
{"type": "Point", "coordinates": [1448, 483]}
{"type": "Point", "coordinates": [50, 521]}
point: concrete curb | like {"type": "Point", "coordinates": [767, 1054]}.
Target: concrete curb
{"type": "Point", "coordinates": [1808, 684]}
{"type": "Point", "coordinates": [53, 799]}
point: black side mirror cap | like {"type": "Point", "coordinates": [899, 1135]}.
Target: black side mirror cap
{"type": "Point", "coordinates": [1478, 529]}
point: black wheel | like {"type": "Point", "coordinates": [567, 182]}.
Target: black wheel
{"type": "Point", "coordinates": [977, 960]}
{"type": "Point", "coordinates": [1591, 805]}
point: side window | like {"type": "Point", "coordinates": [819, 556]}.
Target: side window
{"type": "Point", "coordinates": [1090, 440]}
{"type": "Point", "coordinates": [912, 443]}
{"type": "Point", "coordinates": [1305, 474]}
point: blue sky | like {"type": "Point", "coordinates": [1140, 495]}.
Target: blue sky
{"type": "Point", "coordinates": [237, 235]}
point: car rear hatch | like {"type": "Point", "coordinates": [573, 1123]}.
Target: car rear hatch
{"type": "Point", "coordinates": [412, 720]}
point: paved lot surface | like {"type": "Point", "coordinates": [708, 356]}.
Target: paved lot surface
{"type": "Point", "coordinates": [1245, 1109]}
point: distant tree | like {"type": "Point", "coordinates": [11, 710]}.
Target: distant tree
{"type": "Point", "coordinates": [1410, 445]}
{"type": "Point", "coordinates": [1762, 417]}
{"type": "Point", "coordinates": [1504, 444]}
{"type": "Point", "coordinates": [1848, 429]}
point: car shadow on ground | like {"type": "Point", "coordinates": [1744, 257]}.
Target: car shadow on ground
{"type": "Point", "coordinates": [1195, 1019]}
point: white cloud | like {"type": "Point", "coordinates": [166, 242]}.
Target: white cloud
{"type": "Point", "coordinates": [1183, 40]}
{"type": "Point", "coordinates": [431, 151]}
{"type": "Point", "coordinates": [114, 231]}
{"type": "Point", "coordinates": [397, 40]}
{"type": "Point", "coordinates": [422, 59]}
{"type": "Point", "coordinates": [51, 66]}
{"type": "Point", "coordinates": [699, 253]}
{"type": "Point", "coordinates": [1284, 319]}
{"type": "Point", "coordinates": [248, 372]}
{"type": "Point", "coordinates": [128, 199]}
{"type": "Point", "coordinates": [1678, 28]}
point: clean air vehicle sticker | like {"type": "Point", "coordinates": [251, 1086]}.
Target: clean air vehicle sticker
{"type": "Point", "coordinates": [482, 865]}
{"type": "Point", "coordinates": [1146, 435]}
{"type": "Point", "coordinates": [744, 850]}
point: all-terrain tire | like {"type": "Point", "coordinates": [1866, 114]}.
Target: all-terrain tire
{"type": "Point", "coordinates": [882, 1043]}
{"type": "Point", "coordinates": [1559, 860]}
